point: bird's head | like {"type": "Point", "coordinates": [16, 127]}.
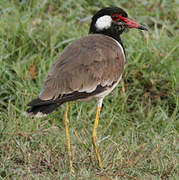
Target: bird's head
{"type": "Point", "coordinates": [112, 21]}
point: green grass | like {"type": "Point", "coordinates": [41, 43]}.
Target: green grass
{"type": "Point", "coordinates": [138, 127]}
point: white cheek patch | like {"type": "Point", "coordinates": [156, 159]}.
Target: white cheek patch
{"type": "Point", "coordinates": [103, 22]}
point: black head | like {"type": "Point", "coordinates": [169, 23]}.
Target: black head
{"type": "Point", "coordinates": [112, 21]}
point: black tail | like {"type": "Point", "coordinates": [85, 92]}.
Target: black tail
{"type": "Point", "coordinates": [41, 108]}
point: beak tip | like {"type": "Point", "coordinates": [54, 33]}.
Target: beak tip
{"type": "Point", "coordinates": [142, 28]}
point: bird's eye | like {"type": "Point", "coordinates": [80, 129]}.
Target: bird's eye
{"type": "Point", "coordinates": [115, 16]}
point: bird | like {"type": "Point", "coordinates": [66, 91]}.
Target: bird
{"type": "Point", "coordinates": [87, 69]}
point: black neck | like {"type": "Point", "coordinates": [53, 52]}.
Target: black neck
{"type": "Point", "coordinates": [112, 32]}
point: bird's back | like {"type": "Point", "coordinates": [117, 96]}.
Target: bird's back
{"type": "Point", "coordinates": [88, 68]}
{"type": "Point", "coordinates": [83, 65]}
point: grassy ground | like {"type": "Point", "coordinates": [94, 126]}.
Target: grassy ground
{"type": "Point", "coordinates": [139, 123]}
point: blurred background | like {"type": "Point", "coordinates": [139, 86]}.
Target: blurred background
{"type": "Point", "coordinates": [138, 128]}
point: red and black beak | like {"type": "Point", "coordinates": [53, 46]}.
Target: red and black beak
{"type": "Point", "coordinates": [131, 24]}
{"type": "Point", "coordinates": [127, 22]}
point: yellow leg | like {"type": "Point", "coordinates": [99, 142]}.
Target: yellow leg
{"type": "Point", "coordinates": [68, 137]}
{"type": "Point", "coordinates": [94, 137]}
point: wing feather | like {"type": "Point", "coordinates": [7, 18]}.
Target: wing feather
{"type": "Point", "coordinates": [86, 63]}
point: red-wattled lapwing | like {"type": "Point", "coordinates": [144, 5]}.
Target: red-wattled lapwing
{"type": "Point", "coordinates": [88, 69]}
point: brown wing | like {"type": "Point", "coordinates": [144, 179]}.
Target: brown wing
{"type": "Point", "coordinates": [86, 63]}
